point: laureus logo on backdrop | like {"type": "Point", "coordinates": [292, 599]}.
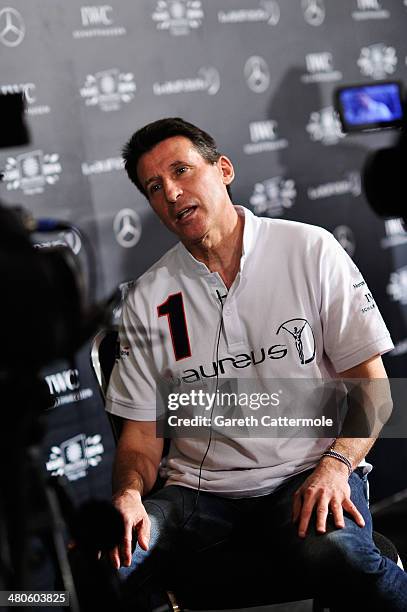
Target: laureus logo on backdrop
{"type": "Point", "coordinates": [351, 184]}
{"type": "Point", "coordinates": [395, 234]}
{"type": "Point", "coordinates": [208, 80]}
{"type": "Point", "coordinates": [178, 17]}
{"type": "Point", "coordinates": [257, 74]}
{"type": "Point", "coordinates": [109, 89]}
{"type": "Point", "coordinates": [314, 11]}
{"type": "Point", "coordinates": [127, 228]}
{"type": "Point", "coordinates": [273, 196]}
{"type": "Point", "coordinates": [29, 94]}
{"type": "Point", "coordinates": [324, 126]}
{"type": "Point", "coordinates": [12, 27]}
{"type": "Point", "coordinates": [346, 238]}
{"type": "Point", "coordinates": [377, 61]}
{"type": "Point", "coordinates": [264, 137]}
{"type": "Point", "coordinates": [320, 68]}
{"type": "Point", "coordinates": [369, 9]}
{"type": "Point", "coordinates": [268, 11]}
{"type": "Point", "coordinates": [397, 286]}
{"type": "Point", "coordinates": [73, 457]}
{"type": "Point", "coordinates": [102, 166]}
{"type": "Point", "coordinates": [32, 172]}
{"type": "Point", "coordinates": [98, 20]}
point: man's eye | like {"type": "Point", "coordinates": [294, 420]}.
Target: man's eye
{"type": "Point", "coordinates": [181, 170]}
{"type": "Point", "coordinates": [155, 188]}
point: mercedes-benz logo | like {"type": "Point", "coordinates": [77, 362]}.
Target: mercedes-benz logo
{"type": "Point", "coordinates": [12, 28]}
{"type": "Point", "coordinates": [314, 11]}
{"type": "Point", "coordinates": [346, 239]}
{"type": "Point", "coordinates": [127, 227]}
{"type": "Point", "coordinates": [257, 74]}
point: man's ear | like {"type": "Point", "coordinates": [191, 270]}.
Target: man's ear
{"type": "Point", "coordinates": [226, 169]}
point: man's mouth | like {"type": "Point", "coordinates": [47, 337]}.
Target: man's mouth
{"type": "Point", "coordinates": [185, 213]}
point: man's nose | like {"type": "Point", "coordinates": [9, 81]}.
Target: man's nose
{"type": "Point", "coordinates": [172, 191]}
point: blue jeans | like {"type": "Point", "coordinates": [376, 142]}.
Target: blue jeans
{"type": "Point", "coordinates": [241, 552]}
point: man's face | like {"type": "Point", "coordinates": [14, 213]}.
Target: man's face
{"type": "Point", "coordinates": [187, 193]}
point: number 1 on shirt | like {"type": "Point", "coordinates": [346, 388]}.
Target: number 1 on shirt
{"type": "Point", "coordinates": [173, 309]}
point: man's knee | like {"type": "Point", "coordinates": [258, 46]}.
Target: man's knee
{"type": "Point", "coordinates": [340, 551]}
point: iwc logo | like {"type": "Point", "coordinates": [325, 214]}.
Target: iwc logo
{"type": "Point", "coordinates": [31, 172]}
{"type": "Point", "coordinates": [29, 93]}
{"type": "Point", "coordinates": [65, 387]}
{"type": "Point", "coordinates": [273, 196]}
{"type": "Point", "coordinates": [320, 68]}
{"type": "Point", "coordinates": [264, 137]}
{"type": "Point", "coordinates": [127, 228]}
{"type": "Point", "coordinates": [178, 17]}
{"type": "Point", "coordinates": [377, 61]}
{"type": "Point", "coordinates": [369, 9]}
{"type": "Point", "coordinates": [257, 74]}
{"type": "Point", "coordinates": [208, 80]}
{"type": "Point", "coordinates": [97, 20]}
{"type": "Point", "coordinates": [109, 89]}
{"type": "Point", "coordinates": [12, 27]}
{"type": "Point", "coordinates": [267, 12]}
{"type": "Point", "coordinates": [395, 233]}
{"type": "Point", "coordinates": [73, 457]}
{"type": "Point", "coordinates": [314, 12]}
{"type": "Point", "coordinates": [324, 126]}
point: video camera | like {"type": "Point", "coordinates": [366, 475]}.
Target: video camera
{"type": "Point", "coordinates": [368, 108]}
{"type": "Point", "coordinates": [48, 311]}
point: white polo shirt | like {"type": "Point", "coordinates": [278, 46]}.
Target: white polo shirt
{"type": "Point", "coordinates": [298, 309]}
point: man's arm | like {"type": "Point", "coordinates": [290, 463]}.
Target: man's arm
{"type": "Point", "coordinates": [327, 488]}
{"type": "Point", "coordinates": [135, 469]}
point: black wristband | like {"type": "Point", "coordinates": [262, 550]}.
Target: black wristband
{"type": "Point", "coordinates": [339, 457]}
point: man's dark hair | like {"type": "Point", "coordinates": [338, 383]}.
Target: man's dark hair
{"type": "Point", "coordinates": [150, 135]}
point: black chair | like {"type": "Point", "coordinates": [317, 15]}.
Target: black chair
{"type": "Point", "coordinates": [103, 355]}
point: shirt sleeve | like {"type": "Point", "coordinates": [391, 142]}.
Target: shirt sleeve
{"type": "Point", "coordinates": [353, 328]}
{"type": "Point", "coordinates": [132, 388]}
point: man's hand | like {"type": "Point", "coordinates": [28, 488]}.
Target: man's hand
{"type": "Point", "coordinates": [325, 490]}
{"type": "Point", "coordinates": [136, 518]}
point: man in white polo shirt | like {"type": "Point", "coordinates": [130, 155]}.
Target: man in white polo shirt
{"type": "Point", "coordinates": [252, 299]}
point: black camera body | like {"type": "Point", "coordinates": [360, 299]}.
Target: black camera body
{"type": "Point", "coordinates": [371, 107]}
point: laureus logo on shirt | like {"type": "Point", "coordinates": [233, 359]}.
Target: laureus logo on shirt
{"type": "Point", "coordinates": [300, 338]}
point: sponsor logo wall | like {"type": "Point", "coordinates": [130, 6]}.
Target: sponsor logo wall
{"type": "Point", "coordinates": [229, 67]}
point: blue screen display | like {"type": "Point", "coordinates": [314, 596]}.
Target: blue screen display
{"type": "Point", "coordinates": [371, 104]}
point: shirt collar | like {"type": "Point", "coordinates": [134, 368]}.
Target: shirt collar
{"type": "Point", "coordinates": [249, 240]}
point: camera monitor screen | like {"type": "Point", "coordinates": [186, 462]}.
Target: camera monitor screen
{"type": "Point", "coordinates": [369, 107]}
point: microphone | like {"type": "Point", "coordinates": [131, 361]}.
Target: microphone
{"type": "Point", "coordinates": [220, 297]}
